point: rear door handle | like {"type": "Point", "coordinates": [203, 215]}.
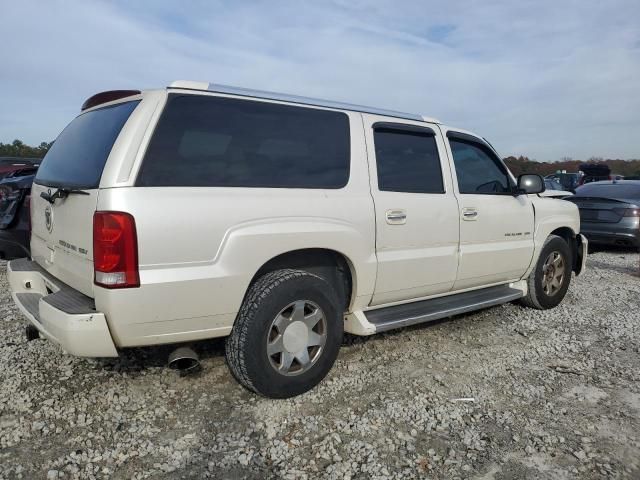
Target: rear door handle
{"type": "Point", "coordinates": [469, 214]}
{"type": "Point", "coordinates": [396, 217]}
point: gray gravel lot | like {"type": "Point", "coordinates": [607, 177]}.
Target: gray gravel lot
{"type": "Point", "coordinates": [551, 394]}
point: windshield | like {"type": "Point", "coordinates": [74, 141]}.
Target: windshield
{"type": "Point", "coordinates": [77, 157]}
{"type": "Point", "coordinates": [609, 190]}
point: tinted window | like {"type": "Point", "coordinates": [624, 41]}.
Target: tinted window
{"type": "Point", "coordinates": [78, 155]}
{"type": "Point", "coordinates": [223, 142]}
{"type": "Point", "coordinates": [477, 169]}
{"type": "Point", "coordinates": [407, 161]}
{"type": "Point", "coordinates": [552, 185]}
{"type": "Point", "coordinates": [610, 190]}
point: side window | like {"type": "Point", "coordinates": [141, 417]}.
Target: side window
{"type": "Point", "coordinates": [478, 170]}
{"type": "Point", "coordinates": [206, 141]}
{"type": "Point", "coordinates": [407, 161]}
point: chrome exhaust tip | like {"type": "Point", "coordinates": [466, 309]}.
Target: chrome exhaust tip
{"type": "Point", "coordinates": [184, 360]}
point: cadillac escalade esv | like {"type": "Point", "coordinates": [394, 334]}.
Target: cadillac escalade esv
{"type": "Point", "coordinates": [279, 222]}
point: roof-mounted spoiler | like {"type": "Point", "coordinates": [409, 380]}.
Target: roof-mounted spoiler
{"type": "Point", "coordinates": [109, 96]}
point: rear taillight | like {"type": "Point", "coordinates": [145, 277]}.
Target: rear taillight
{"type": "Point", "coordinates": [627, 212]}
{"type": "Point", "coordinates": [115, 250]}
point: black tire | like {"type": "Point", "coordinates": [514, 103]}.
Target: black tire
{"type": "Point", "coordinates": [536, 296]}
{"type": "Point", "coordinates": [246, 347]}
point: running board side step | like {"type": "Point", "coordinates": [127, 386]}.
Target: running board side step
{"type": "Point", "coordinates": [399, 316]}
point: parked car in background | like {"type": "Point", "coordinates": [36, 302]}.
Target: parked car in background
{"type": "Point", "coordinates": [14, 215]}
{"type": "Point", "coordinates": [569, 181]}
{"type": "Point", "coordinates": [15, 197]}
{"type": "Point", "coordinates": [597, 172]}
{"type": "Point", "coordinates": [13, 165]}
{"type": "Point", "coordinates": [554, 189]}
{"type": "Point", "coordinates": [610, 212]}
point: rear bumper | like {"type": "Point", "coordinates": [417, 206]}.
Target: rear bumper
{"type": "Point", "coordinates": [621, 238]}
{"type": "Point", "coordinates": [61, 314]}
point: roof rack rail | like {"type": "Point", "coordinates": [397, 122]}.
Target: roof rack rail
{"type": "Point", "coordinates": [284, 97]}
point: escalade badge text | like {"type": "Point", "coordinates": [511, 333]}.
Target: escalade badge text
{"type": "Point", "coordinates": [48, 218]}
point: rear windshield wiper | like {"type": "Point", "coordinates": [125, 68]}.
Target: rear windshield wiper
{"type": "Point", "coordinates": [61, 192]}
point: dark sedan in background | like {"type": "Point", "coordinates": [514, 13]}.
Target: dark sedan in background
{"type": "Point", "coordinates": [16, 177]}
{"type": "Point", "coordinates": [610, 212]}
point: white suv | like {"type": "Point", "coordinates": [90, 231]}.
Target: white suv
{"type": "Point", "coordinates": [201, 210]}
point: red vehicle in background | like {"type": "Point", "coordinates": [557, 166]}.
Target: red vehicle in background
{"type": "Point", "coordinates": [15, 165]}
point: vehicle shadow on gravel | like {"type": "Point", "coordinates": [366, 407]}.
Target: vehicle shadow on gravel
{"type": "Point", "coordinates": [137, 359]}
{"type": "Point", "coordinates": [607, 266]}
{"type": "Point", "coordinates": [633, 270]}
{"type": "Point", "coordinates": [133, 360]}
{"type": "Point", "coordinates": [613, 249]}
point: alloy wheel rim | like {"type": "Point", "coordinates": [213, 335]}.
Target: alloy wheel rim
{"type": "Point", "coordinates": [553, 273]}
{"type": "Point", "coordinates": [297, 337]}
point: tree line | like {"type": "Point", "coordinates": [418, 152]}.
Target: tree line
{"type": "Point", "coordinates": [520, 165]}
{"type": "Point", "coordinates": [18, 148]}
{"type": "Point", "coordinates": [517, 165]}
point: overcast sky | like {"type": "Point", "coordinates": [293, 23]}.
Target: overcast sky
{"type": "Point", "coordinates": [541, 79]}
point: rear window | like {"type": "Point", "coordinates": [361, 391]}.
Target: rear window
{"type": "Point", "coordinates": [77, 157]}
{"type": "Point", "coordinates": [609, 190]}
{"type": "Point", "coordinates": [222, 142]}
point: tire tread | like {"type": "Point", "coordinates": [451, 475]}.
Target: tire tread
{"type": "Point", "coordinates": [236, 342]}
{"type": "Point", "coordinates": [531, 299]}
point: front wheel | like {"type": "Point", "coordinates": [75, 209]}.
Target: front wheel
{"type": "Point", "coordinates": [549, 280]}
{"type": "Point", "coordinates": [287, 334]}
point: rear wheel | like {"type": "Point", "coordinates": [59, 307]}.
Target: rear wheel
{"type": "Point", "coordinates": [549, 280]}
{"type": "Point", "coordinates": [287, 334]}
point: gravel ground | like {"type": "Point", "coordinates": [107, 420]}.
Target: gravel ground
{"type": "Point", "coordinates": [504, 393]}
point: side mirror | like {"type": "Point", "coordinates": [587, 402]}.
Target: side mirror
{"type": "Point", "coordinates": [530, 183]}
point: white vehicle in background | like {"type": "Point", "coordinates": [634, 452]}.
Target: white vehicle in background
{"type": "Point", "coordinates": [554, 189]}
{"type": "Point", "coordinates": [280, 222]}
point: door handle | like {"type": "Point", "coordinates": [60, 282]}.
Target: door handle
{"type": "Point", "coordinates": [469, 213]}
{"type": "Point", "coordinates": [396, 217]}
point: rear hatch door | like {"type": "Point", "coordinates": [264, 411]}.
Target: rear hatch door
{"type": "Point", "coordinates": [65, 194]}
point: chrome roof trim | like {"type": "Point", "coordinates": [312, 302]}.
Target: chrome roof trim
{"type": "Point", "coordinates": [283, 97]}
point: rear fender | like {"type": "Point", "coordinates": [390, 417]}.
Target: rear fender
{"type": "Point", "coordinates": [247, 247]}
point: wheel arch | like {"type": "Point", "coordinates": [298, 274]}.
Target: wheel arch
{"type": "Point", "coordinates": [573, 241]}
{"type": "Point", "coordinates": [334, 266]}
{"type": "Point", "coordinates": [565, 232]}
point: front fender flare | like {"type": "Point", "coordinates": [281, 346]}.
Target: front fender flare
{"type": "Point", "coordinates": [582, 250]}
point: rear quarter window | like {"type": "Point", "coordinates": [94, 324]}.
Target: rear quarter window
{"type": "Point", "coordinates": [77, 157]}
{"type": "Point", "coordinates": [204, 141]}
